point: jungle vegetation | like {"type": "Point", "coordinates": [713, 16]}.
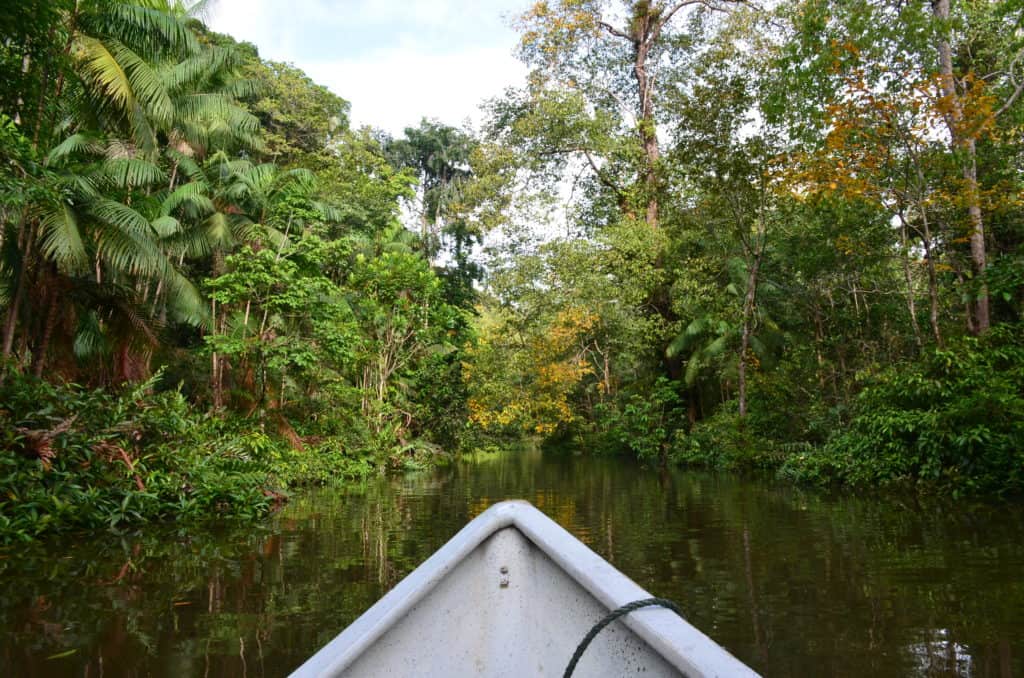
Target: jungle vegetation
{"type": "Point", "coordinates": [788, 237]}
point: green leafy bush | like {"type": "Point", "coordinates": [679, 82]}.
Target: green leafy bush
{"type": "Point", "coordinates": [724, 441]}
{"type": "Point", "coordinates": [643, 424]}
{"type": "Point", "coordinates": [955, 420]}
{"type": "Point", "coordinates": [78, 458]}
{"type": "Point", "coordinates": [75, 458]}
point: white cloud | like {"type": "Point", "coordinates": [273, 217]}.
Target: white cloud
{"type": "Point", "coordinates": [394, 88]}
{"type": "Point", "coordinates": [396, 61]}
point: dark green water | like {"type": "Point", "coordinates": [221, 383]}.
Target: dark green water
{"type": "Point", "coordinates": [795, 583]}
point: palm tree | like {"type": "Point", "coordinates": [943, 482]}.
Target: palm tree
{"type": "Point", "coordinates": [102, 242]}
{"type": "Point", "coordinates": [707, 340]}
{"type": "Point", "coordinates": [106, 86]}
{"type": "Point", "coordinates": [142, 99]}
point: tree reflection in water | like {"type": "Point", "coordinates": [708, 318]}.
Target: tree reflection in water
{"type": "Point", "coordinates": [795, 583]}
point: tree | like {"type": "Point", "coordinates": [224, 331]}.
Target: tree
{"type": "Point", "coordinates": [118, 91]}
{"type": "Point", "coordinates": [301, 120]}
{"type": "Point", "coordinates": [965, 52]}
{"type": "Point", "coordinates": [585, 48]}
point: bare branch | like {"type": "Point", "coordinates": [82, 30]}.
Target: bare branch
{"type": "Point", "coordinates": [614, 31]}
{"type": "Point", "coordinates": [672, 12]}
{"type": "Point", "coordinates": [601, 176]}
{"type": "Point", "coordinates": [1018, 87]}
{"type": "Point", "coordinates": [713, 5]}
{"type": "Point", "coordinates": [1009, 102]}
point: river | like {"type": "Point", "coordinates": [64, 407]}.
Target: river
{"type": "Point", "coordinates": [794, 582]}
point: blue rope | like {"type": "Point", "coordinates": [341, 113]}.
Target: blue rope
{"type": "Point", "coordinates": [608, 619]}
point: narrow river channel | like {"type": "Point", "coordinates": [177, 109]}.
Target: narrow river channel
{"type": "Point", "coordinates": [793, 582]}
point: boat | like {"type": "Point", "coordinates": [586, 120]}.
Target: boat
{"type": "Point", "coordinates": [512, 595]}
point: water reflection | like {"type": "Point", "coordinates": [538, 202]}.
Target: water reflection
{"type": "Point", "coordinates": [940, 656]}
{"type": "Point", "coordinates": [794, 583]}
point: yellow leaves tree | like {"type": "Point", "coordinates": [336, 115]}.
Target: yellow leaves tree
{"type": "Point", "coordinates": [883, 148]}
{"type": "Point", "coordinates": [531, 375]}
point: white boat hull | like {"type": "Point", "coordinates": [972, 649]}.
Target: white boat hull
{"type": "Point", "coordinates": [512, 595]}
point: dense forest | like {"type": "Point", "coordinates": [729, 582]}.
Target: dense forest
{"type": "Point", "coordinates": [784, 237]}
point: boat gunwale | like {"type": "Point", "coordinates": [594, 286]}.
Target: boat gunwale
{"type": "Point", "coordinates": [677, 641]}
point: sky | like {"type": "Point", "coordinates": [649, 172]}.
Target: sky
{"type": "Point", "coordinates": [395, 61]}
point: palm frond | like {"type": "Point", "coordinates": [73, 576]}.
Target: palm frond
{"type": "Point", "coordinates": [154, 27]}
{"type": "Point", "coordinates": [688, 337]}
{"type": "Point", "coordinates": [227, 168]}
{"type": "Point", "coordinates": [126, 78]}
{"type": "Point", "coordinates": [199, 9]}
{"type": "Point", "coordinates": [242, 120]}
{"type": "Point", "coordinates": [196, 69]}
{"type": "Point", "coordinates": [274, 238]}
{"type": "Point", "coordinates": [329, 213]}
{"type": "Point", "coordinates": [79, 185]}
{"type": "Point", "coordinates": [693, 368]}
{"type": "Point", "coordinates": [192, 194]}
{"type": "Point", "coordinates": [218, 231]}
{"type": "Point", "coordinates": [243, 88]}
{"type": "Point", "coordinates": [301, 177]}
{"type": "Point", "coordinates": [204, 106]}
{"type": "Point", "coordinates": [106, 72]}
{"type": "Point", "coordinates": [186, 165]}
{"type": "Point", "coordinates": [716, 347]}
{"type": "Point", "coordinates": [117, 149]}
{"type": "Point", "coordinates": [192, 243]}
{"type": "Point", "coordinates": [124, 252]}
{"type": "Point", "coordinates": [80, 143]}
{"type": "Point", "coordinates": [166, 226]}
{"type": "Point", "coordinates": [186, 302]}
{"type": "Point", "coordinates": [122, 216]}
{"type": "Point", "coordinates": [257, 180]}
{"type": "Point", "coordinates": [128, 173]}
{"type": "Point", "coordinates": [90, 342]}
{"type": "Point", "coordinates": [62, 241]}
{"type": "Point", "coordinates": [144, 135]}
{"type": "Point", "coordinates": [245, 230]}
{"type": "Point", "coordinates": [145, 83]}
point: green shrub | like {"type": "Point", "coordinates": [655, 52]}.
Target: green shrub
{"type": "Point", "coordinates": [644, 424]}
{"type": "Point", "coordinates": [78, 458]}
{"type": "Point", "coordinates": [74, 458]}
{"type": "Point", "coordinates": [723, 441]}
{"type": "Point", "coordinates": [954, 419]}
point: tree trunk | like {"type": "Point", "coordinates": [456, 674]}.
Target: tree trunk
{"type": "Point", "coordinates": [25, 242]}
{"type": "Point", "coordinates": [11, 321]}
{"type": "Point", "coordinates": [933, 282]}
{"type": "Point", "coordinates": [748, 312]}
{"type": "Point", "coordinates": [59, 89]}
{"type": "Point", "coordinates": [43, 83]}
{"type": "Point", "coordinates": [911, 304]}
{"type": "Point", "coordinates": [607, 376]}
{"type": "Point", "coordinates": [954, 119]}
{"type": "Point", "coordinates": [39, 358]}
{"type": "Point", "coordinates": [819, 338]}
{"type": "Point", "coordinates": [978, 255]}
{"type": "Point", "coordinates": [929, 255]}
{"type": "Point", "coordinates": [968, 311]}
{"type": "Point", "coordinates": [643, 36]}
{"type": "Point", "coordinates": [215, 383]}
{"type": "Point", "coordinates": [365, 390]}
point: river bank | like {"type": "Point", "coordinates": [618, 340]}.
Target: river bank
{"type": "Point", "coordinates": [73, 458]}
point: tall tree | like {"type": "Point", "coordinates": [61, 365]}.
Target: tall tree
{"type": "Point", "coordinates": [588, 47]}
{"type": "Point", "coordinates": [440, 155]}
